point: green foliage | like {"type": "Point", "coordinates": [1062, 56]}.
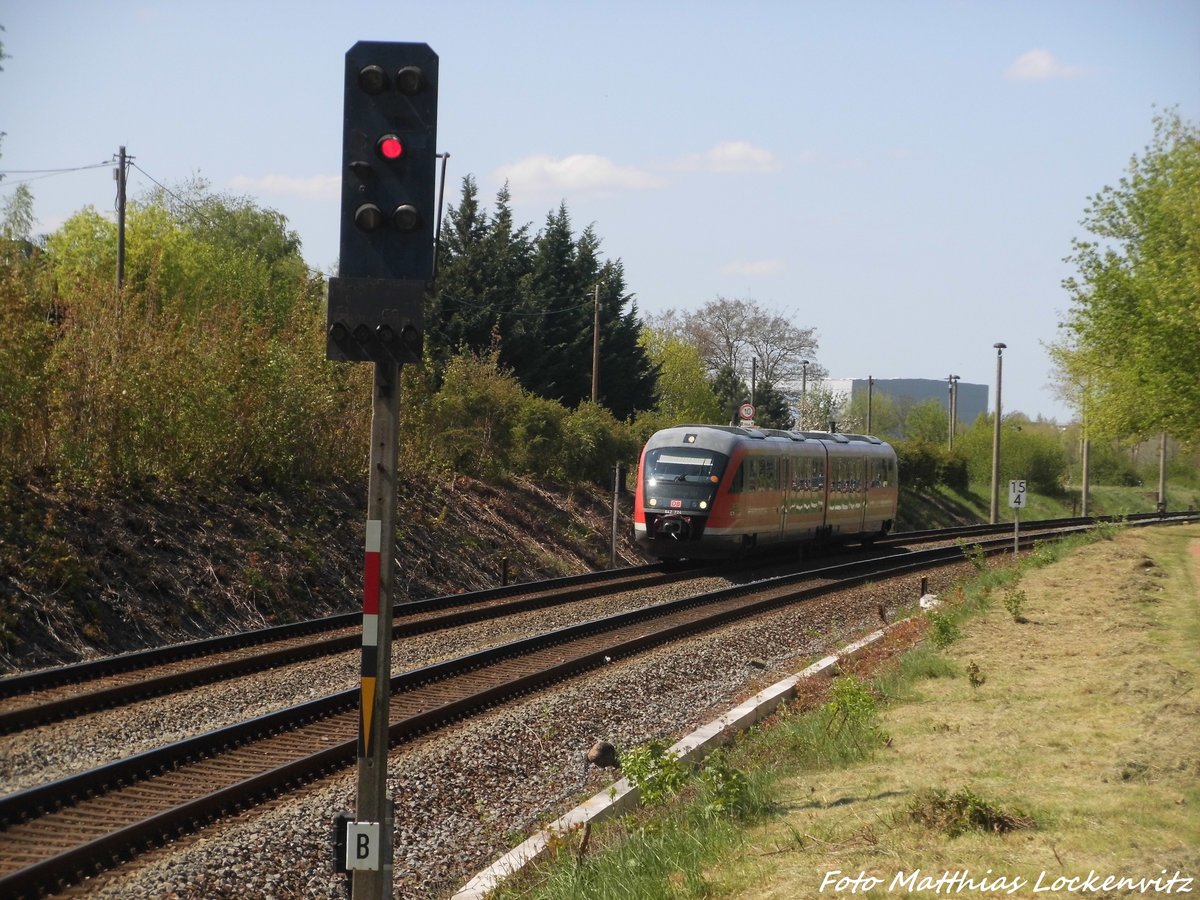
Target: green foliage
{"type": "Point", "coordinates": [684, 393]}
{"type": "Point", "coordinates": [533, 301]}
{"type": "Point", "coordinates": [724, 790]}
{"type": "Point", "coordinates": [924, 464]}
{"type": "Point", "coordinates": [943, 629]}
{"type": "Point", "coordinates": [975, 676]}
{"type": "Point", "coordinates": [1014, 602]}
{"type": "Point", "coordinates": [879, 414]}
{"type": "Point", "coordinates": [919, 463]}
{"type": "Point", "coordinates": [186, 375]}
{"type": "Point", "coordinates": [927, 421]}
{"type": "Point", "coordinates": [772, 409]}
{"type": "Point", "coordinates": [592, 441]}
{"type": "Point", "coordinates": [477, 410]}
{"type": "Point", "coordinates": [655, 771]}
{"type": "Point", "coordinates": [1027, 451]}
{"type": "Point", "coordinates": [976, 554]}
{"type": "Point", "coordinates": [731, 392]}
{"type": "Point", "coordinates": [1133, 329]}
{"type": "Point", "coordinates": [539, 437]}
{"type": "Point", "coordinates": [851, 705]}
{"type": "Point", "coordinates": [964, 811]}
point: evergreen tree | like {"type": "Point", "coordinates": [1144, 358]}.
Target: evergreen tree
{"type": "Point", "coordinates": [772, 409]}
{"type": "Point", "coordinates": [731, 391]}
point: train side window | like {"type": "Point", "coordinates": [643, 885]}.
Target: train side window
{"type": "Point", "coordinates": [737, 481]}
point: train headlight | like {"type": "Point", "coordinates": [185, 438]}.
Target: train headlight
{"type": "Point", "coordinates": [653, 501]}
{"type": "Point", "coordinates": [704, 504]}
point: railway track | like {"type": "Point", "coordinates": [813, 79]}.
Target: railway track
{"type": "Point", "coordinates": [49, 695]}
{"type": "Point", "coordinates": [59, 832]}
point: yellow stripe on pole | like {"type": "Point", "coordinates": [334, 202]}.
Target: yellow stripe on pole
{"type": "Point", "coordinates": [368, 709]}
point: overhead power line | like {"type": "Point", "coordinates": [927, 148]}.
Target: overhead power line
{"type": "Point", "coordinates": [38, 174]}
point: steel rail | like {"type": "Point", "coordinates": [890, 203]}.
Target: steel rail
{"type": "Point", "coordinates": [463, 608]}
{"type": "Point", "coordinates": [628, 635]}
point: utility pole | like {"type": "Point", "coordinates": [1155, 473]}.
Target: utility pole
{"type": "Point", "coordinates": [1085, 454]}
{"type": "Point", "coordinates": [953, 404]}
{"type": "Point", "coordinates": [803, 392]}
{"type": "Point", "coordinates": [870, 400]}
{"type": "Point", "coordinates": [596, 347]}
{"type": "Point", "coordinates": [995, 510]}
{"type": "Point", "coordinates": [120, 176]}
{"type": "Point", "coordinates": [1162, 474]}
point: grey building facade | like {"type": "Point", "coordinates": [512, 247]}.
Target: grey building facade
{"type": "Point", "coordinates": [972, 398]}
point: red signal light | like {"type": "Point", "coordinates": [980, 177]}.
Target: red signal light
{"type": "Point", "coordinates": [389, 147]}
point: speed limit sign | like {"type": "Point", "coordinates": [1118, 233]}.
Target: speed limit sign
{"type": "Point", "coordinates": [746, 412]}
{"type": "Point", "coordinates": [1016, 494]}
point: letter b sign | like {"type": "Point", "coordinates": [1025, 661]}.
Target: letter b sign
{"type": "Point", "coordinates": [362, 845]}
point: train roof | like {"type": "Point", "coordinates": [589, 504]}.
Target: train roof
{"type": "Point", "coordinates": [762, 434]}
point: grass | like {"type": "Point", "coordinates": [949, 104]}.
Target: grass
{"type": "Point", "coordinates": [1043, 746]}
{"type": "Point", "coordinates": [1105, 500]}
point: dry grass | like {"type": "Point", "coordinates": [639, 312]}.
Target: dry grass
{"type": "Point", "coordinates": [1086, 727]}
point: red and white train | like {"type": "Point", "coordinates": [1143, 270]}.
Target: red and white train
{"type": "Point", "coordinates": [708, 490]}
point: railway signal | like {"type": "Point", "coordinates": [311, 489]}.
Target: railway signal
{"type": "Point", "coordinates": [389, 203]}
{"type": "Point", "coordinates": [376, 314]}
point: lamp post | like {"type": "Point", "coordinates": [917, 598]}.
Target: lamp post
{"type": "Point", "coordinates": [803, 391]}
{"type": "Point", "coordinates": [870, 399]}
{"type": "Point", "coordinates": [952, 404]}
{"type": "Point", "coordinates": [995, 514]}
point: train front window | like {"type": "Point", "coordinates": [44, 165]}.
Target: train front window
{"type": "Point", "coordinates": [683, 465]}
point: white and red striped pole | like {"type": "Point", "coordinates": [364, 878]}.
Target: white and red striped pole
{"type": "Point", "coordinates": [371, 838]}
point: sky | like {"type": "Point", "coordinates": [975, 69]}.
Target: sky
{"type": "Point", "coordinates": [904, 177]}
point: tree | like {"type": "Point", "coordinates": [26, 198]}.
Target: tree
{"type": "Point", "coordinates": [534, 301]}
{"type": "Point", "coordinates": [927, 421]}
{"type": "Point", "coordinates": [819, 406]}
{"type": "Point", "coordinates": [772, 409]}
{"type": "Point", "coordinates": [17, 222]}
{"type": "Point", "coordinates": [738, 340]}
{"type": "Point", "coordinates": [1129, 354]}
{"type": "Point", "coordinates": [731, 391]}
{"type": "Point", "coordinates": [684, 394]}
{"type": "Point", "coordinates": [480, 270]}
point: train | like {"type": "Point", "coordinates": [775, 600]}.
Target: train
{"type": "Point", "coordinates": [715, 490]}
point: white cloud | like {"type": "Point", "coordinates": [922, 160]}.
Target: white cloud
{"type": "Point", "coordinates": [316, 187]}
{"type": "Point", "coordinates": [578, 172]}
{"type": "Point", "coordinates": [754, 267]}
{"type": "Point", "coordinates": [1040, 65]}
{"type": "Point", "coordinates": [732, 156]}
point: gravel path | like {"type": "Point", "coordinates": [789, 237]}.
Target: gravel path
{"type": "Point", "coordinates": [466, 794]}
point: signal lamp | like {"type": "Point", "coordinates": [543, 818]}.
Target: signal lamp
{"type": "Point", "coordinates": [410, 80]}
{"type": "Point", "coordinates": [368, 217]}
{"type": "Point", "coordinates": [390, 147]}
{"type": "Point", "coordinates": [406, 218]}
{"type": "Point", "coordinates": [372, 79]}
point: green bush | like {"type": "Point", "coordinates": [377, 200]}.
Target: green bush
{"type": "Point", "coordinates": [923, 464]}
{"type": "Point", "coordinates": [919, 463]}
{"type": "Point", "coordinates": [1028, 450]}
{"type": "Point", "coordinates": [592, 442]}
